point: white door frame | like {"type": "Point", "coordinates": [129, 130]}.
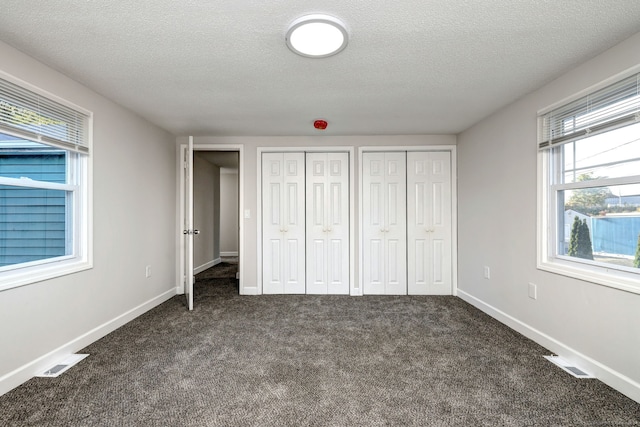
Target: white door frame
{"type": "Point", "coordinates": [213, 147]}
{"type": "Point", "coordinates": [454, 204]}
{"type": "Point", "coordinates": [353, 285]}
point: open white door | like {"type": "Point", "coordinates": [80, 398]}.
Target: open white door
{"type": "Point", "coordinates": [188, 230]}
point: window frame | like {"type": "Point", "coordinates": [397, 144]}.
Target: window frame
{"type": "Point", "coordinates": [549, 169]}
{"type": "Point", "coordinates": [78, 187]}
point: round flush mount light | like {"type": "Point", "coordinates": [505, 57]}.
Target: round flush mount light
{"type": "Point", "coordinates": [317, 36]}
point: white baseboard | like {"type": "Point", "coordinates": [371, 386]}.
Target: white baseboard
{"type": "Point", "coordinates": [204, 266]}
{"type": "Point", "coordinates": [229, 253]}
{"type": "Point", "coordinates": [611, 377]}
{"type": "Point", "coordinates": [26, 372]}
{"type": "Point", "coordinates": [249, 290]}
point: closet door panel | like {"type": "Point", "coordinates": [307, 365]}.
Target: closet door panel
{"type": "Point", "coordinates": [272, 224]}
{"type": "Point", "coordinates": [294, 230]}
{"type": "Point", "coordinates": [384, 223]}
{"type": "Point", "coordinates": [328, 223]}
{"type": "Point", "coordinates": [429, 223]}
{"type": "Point", "coordinates": [283, 223]}
{"type": "Point", "coordinates": [373, 215]}
{"type": "Point", "coordinates": [440, 170]}
{"type": "Point", "coordinates": [395, 224]}
{"type": "Point", "coordinates": [338, 223]}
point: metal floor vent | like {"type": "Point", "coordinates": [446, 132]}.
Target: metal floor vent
{"type": "Point", "coordinates": [63, 366]}
{"type": "Point", "coordinates": [568, 367]}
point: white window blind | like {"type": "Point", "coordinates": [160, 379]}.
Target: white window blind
{"type": "Point", "coordinates": [26, 114]}
{"type": "Point", "coordinates": [612, 107]}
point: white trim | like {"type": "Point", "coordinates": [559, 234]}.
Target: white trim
{"type": "Point", "coordinates": [32, 183]}
{"type": "Point", "coordinates": [27, 371]}
{"type": "Point", "coordinates": [604, 276]}
{"type": "Point", "coordinates": [212, 147]}
{"type": "Point", "coordinates": [251, 290]}
{"type": "Point", "coordinates": [206, 265]}
{"type": "Point", "coordinates": [258, 214]}
{"type": "Point", "coordinates": [180, 214]}
{"type": "Point", "coordinates": [230, 253]}
{"type": "Point", "coordinates": [607, 375]}
{"type": "Point", "coordinates": [454, 221]}
{"type": "Point", "coordinates": [354, 289]}
{"type": "Point", "coordinates": [39, 271]}
{"type": "Point", "coordinates": [601, 182]}
{"type": "Point", "coordinates": [454, 202]}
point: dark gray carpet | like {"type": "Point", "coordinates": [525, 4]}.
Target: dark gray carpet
{"type": "Point", "coordinates": [314, 361]}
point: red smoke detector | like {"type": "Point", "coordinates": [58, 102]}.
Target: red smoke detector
{"type": "Point", "coordinates": [320, 124]}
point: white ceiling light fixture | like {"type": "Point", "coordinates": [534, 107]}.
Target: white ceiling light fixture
{"type": "Point", "coordinates": [317, 36]}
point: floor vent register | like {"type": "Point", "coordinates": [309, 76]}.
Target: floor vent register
{"type": "Point", "coordinates": [63, 366]}
{"type": "Point", "coordinates": [568, 367]}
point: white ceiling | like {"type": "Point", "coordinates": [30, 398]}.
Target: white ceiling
{"type": "Point", "coordinates": [222, 159]}
{"type": "Point", "coordinates": [222, 67]}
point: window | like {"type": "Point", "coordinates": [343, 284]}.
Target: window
{"type": "Point", "coordinates": [590, 186]}
{"type": "Point", "coordinates": [44, 185]}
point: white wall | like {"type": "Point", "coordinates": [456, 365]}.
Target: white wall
{"type": "Point", "coordinates": [134, 226]}
{"type": "Point", "coordinates": [595, 326]}
{"type": "Point", "coordinates": [228, 211]}
{"type": "Point", "coordinates": [248, 170]}
{"type": "Point", "coordinates": [206, 213]}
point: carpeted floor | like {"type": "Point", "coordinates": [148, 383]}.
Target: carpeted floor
{"type": "Point", "coordinates": [314, 361]}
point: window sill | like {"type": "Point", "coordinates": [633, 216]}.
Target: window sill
{"type": "Point", "coordinates": [612, 278]}
{"type": "Point", "coordinates": [38, 273]}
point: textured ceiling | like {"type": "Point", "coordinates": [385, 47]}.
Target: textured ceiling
{"type": "Point", "coordinates": [222, 67]}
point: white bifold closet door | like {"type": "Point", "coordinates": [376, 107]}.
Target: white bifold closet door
{"type": "Point", "coordinates": [283, 223]}
{"type": "Point", "coordinates": [429, 223]}
{"type": "Point", "coordinates": [384, 229]}
{"type": "Point", "coordinates": [327, 223]}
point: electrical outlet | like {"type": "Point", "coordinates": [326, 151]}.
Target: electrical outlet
{"type": "Point", "coordinates": [533, 291]}
{"type": "Point", "coordinates": [147, 271]}
{"type": "Point", "coordinates": [487, 272]}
